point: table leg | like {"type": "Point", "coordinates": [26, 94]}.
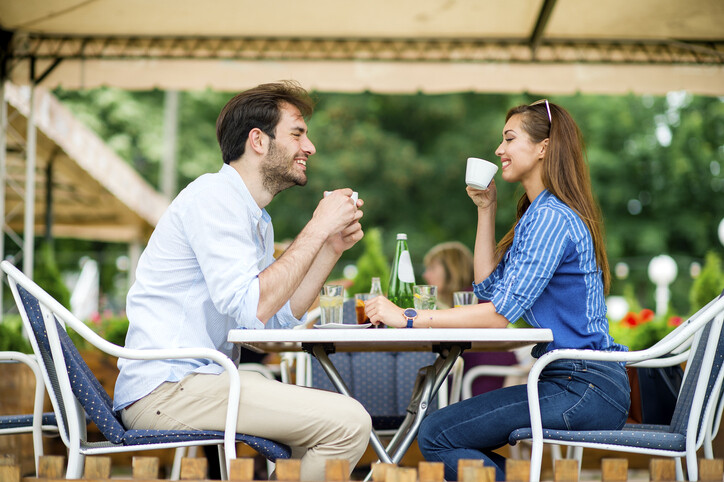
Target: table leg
{"type": "Point", "coordinates": [428, 383]}
{"type": "Point", "coordinates": [320, 354]}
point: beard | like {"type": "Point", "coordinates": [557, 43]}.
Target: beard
{"type": "Point", "coordinates": [277, 170]}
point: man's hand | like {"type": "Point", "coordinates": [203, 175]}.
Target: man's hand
{"type": "Point", "coordinates": [349, 236]}
{"type": "Point", "coordinates": [335, 212]}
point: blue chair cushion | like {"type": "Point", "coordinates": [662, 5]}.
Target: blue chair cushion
{"type": "Point", "coordinates": [18, 421]}
{"type": "Point", "coordinates": [267, 448]}
{"type": "Point", "coordinates": [651, 439]}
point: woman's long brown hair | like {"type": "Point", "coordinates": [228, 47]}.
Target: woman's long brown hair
{"type": "Point", "coordinates": [565, 174]}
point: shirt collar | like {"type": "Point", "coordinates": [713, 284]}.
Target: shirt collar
{"type": "Point", "coordinates": [541, 198]}
{"type": "Point", "coordinates": [238, 183]}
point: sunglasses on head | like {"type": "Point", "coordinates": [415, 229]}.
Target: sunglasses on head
{"type": "Point", "coordinates": [548, 108]}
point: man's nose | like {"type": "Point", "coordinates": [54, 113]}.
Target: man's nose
{"type": "Point", "coordinates": [309, 148]}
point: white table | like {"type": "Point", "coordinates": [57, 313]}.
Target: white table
{"type": "Point", "coordinates": [449, 343]}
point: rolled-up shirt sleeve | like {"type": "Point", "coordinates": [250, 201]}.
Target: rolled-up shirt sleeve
{"type": "Point", "coordinates": [518, 281]}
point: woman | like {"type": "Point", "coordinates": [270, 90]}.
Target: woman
{"type": "Point", "coordinates": [551, 269]}
{"type": "Point", "coordinates": [449, 266]}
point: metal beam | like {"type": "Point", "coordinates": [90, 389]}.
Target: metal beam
{"type": "Point", "coordinates": [458, 50]}
{"type": "Point", "coordinates": [540, 24]}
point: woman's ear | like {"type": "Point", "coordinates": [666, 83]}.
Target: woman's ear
{"type": "Point", "coordinates": [543, 148]}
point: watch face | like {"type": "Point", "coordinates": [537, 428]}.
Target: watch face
{"type": "Point", "coordinates": [410, 313]}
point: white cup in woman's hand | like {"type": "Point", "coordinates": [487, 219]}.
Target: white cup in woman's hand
{"type": "Point", "coordinates": [479, 173]}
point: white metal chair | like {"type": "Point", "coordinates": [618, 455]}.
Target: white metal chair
{"type": "Point", "coordinates": [694, 410]}
{"type": "Point", "coordinates": [74, 390]}
{"type": "Point", "coordinates": [37, 423]}
{"type": "Point", "coordinates": [512, 374]}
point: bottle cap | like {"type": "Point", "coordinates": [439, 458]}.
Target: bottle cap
{"type": "Point", "coordinates": [401, 236]}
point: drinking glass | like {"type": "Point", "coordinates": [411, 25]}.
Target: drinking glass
{"type": "Point", "coordinates": [462, 298]}
{"type": "Point", "coordinates": [359, 306]}
{"type": "Point", "coordinates": [331, 301]}
{"type": "Point", "coordinates": [424, 297]}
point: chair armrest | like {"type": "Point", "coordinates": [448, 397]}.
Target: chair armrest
{"type": "Point", "coordinates": [30, 361]}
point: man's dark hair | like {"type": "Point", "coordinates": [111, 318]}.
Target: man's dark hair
{"type": "Point", "coordinates": [259, 107]}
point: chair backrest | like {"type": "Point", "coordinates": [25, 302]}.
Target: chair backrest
{"type": "Point", "coordinates": [74, 387]}
{"type": "Point", "coordinates": [703, 375]}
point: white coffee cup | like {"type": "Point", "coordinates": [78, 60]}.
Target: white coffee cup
{"type": "Point", "coordinates": [479, 173]}
{"type": "Point", "coordinates": [354, 195]}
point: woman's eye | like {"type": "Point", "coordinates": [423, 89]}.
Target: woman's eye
{"type": "Point", "coordinates": [508, 139]}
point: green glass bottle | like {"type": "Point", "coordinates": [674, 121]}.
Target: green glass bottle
{"type": "Point", "coordinates": [402, 277]}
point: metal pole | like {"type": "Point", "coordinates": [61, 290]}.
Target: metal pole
{"type": "Point", "coordinates": [3, 171]}
{"type": "Point", "coordinates": [170, 129]}
{"type": "Point", "coordinates": [134, 254]}
{"type": "Point", "coordinates": [29, 219]}
{"type": "Point", "coordinates": [49, 201]}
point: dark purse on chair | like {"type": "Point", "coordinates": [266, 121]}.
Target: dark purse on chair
{"type": "Point", "coordinates": [653, 394]}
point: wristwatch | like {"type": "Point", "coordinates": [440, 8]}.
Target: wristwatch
{"type": "Point", "coordinates": [410, 314]}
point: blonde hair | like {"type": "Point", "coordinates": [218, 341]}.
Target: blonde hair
{"type": "Point", "coordinates": [457, 261]}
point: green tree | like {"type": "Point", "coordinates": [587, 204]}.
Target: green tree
{"type": "Point", "coordinates": [709, 284]}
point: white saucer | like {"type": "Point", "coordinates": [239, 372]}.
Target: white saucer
{"type": "Point", "coordinates": [342, 326]}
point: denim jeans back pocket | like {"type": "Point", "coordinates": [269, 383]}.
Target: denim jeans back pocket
{"type": "Point", "coordinates": [595, 411]}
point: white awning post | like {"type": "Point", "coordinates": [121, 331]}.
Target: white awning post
{"type": "Point", "coordinates": [3, 173]}
{"type": "Point", "coordinates": [29, 218]}
{"type": "Point", "coordinates": [170, 130]}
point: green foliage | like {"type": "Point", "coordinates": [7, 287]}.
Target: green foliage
{"type": "Point", "coordinates": [12, 337]}
{"type": "Point", "coordinates": [657, 166]}
{"type": "Point", "coordinates": [47, 275]}
{"type": "Point", "coordinates": [630, 297]}
{"type": "Point", "coordinates": [709, 284]}
{"type": "Point", "coordinates": [371, 264]}
{"type": "Point", "coordinates": [112, 329]}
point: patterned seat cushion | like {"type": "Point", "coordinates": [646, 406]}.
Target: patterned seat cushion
{"type": "Point", "coordinates": [267, 448]}
{"type": "Point", "coordinates": [652, 439]}
{"type": "Point", "coordinates": [19, 421]}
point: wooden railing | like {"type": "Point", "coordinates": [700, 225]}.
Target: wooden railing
{"type": "Point", "coordinates": [98, 469]}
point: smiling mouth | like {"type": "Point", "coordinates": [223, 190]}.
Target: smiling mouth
{"type": "Point", "coordinates": [505, 164]}
{"type": "Point", "coordinates": [302, 162]}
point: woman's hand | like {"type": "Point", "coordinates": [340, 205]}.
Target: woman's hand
{"type": "Point", "coordinates": [484, 198]}
{"type": "Point", "coordinates": [381, 310]}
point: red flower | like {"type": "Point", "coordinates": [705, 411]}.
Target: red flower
{"type": "Point", "coordinates": [631, 319]}
{"type": "Point", "coordinates": [647, 315]}
{"type": "Point", "coordinates": [675, 321]}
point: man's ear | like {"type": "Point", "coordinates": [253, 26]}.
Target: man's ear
{"type": "Point", "coordinates": [258, 141]}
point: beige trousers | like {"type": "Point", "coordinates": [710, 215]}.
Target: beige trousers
{"type": "Point", "coordinates": [317, 424]}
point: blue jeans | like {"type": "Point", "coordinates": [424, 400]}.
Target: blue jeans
{"type": "Point", "coordinates": [574, 395]}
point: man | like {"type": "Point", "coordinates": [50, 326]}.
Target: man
{"type": "Point", "coordinates": [209, 267]}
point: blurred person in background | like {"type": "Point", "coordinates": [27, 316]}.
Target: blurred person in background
{"type": "Point", "coordinates": [449, 266]}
